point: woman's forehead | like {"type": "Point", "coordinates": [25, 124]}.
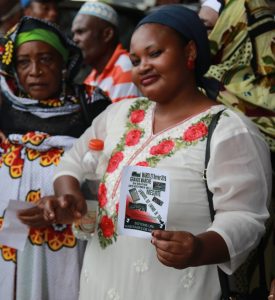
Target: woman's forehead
{"type": "Point", "coordinates": [35, 47]}
{"type": "Point", "coordinates": [153, 33]}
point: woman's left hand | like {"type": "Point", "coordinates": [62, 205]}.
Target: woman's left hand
{"type": "Point", "coordinates": [34, 217]}
{"type": "Point", "coordinates": [175, 248]}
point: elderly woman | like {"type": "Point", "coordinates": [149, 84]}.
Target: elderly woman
{"type": "Point", "coordinates": [41, 115]}
{"type": "Point", "coordinates": [168, 130]}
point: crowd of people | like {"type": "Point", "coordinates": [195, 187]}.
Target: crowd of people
{"type": "Point", "coordinates": [153, 106]}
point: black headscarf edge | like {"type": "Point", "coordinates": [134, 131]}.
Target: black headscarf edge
{"type": "Point", "coordinates": [187, 23]}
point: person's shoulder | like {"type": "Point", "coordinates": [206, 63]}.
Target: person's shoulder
{"type": "Point", "coordinates": [236, 119]}
{"type": "Point", "coordinates": [125, 104]}
{"type": "Point", "coordinates": [232, 123]}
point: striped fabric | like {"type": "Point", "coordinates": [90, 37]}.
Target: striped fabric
{"type": "Point", "coordinates": [116, 78]}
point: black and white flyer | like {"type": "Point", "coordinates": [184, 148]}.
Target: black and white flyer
{"type": "Point", "coordinates": [144, 201]}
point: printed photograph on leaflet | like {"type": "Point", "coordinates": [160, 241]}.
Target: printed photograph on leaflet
{"type": "Point", "coordinates": [144, 201]}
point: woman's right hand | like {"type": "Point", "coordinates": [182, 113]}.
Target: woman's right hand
{"type": "Point", "coordinates": [63, 209]}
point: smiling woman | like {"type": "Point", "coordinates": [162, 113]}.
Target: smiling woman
{"type": "Point", "coordinates": [41, 114]}
{"type": "Point", "coordinates": [168, 130]}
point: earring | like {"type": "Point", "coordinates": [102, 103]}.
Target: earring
{"type": "Point", "coordinates": [190, 64]}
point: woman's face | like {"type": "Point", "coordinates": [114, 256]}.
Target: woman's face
{"type": "Point", "coordinates": [159, 57]}
{"type": "Point", "coordinates": [39, 69]}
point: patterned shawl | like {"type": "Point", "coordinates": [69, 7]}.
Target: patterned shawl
{"type": "Point", "coordinates": [243, 48]}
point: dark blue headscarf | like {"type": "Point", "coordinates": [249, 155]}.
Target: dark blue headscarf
{"type": "Point", "coordinates": [187, 23]}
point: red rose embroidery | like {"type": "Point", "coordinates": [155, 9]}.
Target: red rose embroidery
{"type": "Point", "coordinates": [132, 137]}
{"type": "Point", "coordinates": [164, 147]}
{"type": "Point", "coordinates": [114, 162]}
{"type": "Point", "coordinates": [143, 164]}
{"type": "Point", "coordinates": [107, 226]}
{"type": "Point", "coordinates": [137, 116]}
{"type": "Point", "coordinates": [195, 132]}
{"type": "Point", "coordinates": [102, 195]}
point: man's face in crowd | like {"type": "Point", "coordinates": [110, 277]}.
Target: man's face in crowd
{"type": "Point", "coordinates": [88, 35]}
{"type": "Point", "coordinates": [47, 11]}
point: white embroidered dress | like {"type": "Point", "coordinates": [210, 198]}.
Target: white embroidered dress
{"type": "Point", "coordinates": [238, 173]}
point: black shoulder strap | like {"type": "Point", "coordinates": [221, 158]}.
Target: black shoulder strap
{"type": "Point", "coordinates": [211, 129]}
{"type": "Point", "coordinates": [222, 276]}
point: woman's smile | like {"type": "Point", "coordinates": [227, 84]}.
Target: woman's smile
{"type": "Point", "coordinates": [149, 79]}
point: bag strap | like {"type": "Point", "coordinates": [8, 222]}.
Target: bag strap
{"type": "Point", "coordinates": [223, 278]}
{"type": "Point", "coordinates": [211, 129]}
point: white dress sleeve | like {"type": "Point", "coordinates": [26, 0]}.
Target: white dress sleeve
{"type": "Point", "coordinates": [239, 176]}
{"type": "Point", "coordinates": [214, 4]}
{"type": "Point", "coordinates": [72, 161]}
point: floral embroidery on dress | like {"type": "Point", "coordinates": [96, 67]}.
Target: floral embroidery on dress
{"type": "Point", "coordinates": [113, 294]}
{"type": "Point", "coordinates": [188, 278]}
{"type": "Point", "coordinates": [140, 266]}
{"type": "Point", "coordinates": [134, 138]}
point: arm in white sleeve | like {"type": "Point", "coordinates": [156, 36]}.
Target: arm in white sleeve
{"type": "Point", "coordinates": [239, 175]}
{"type": "Point", "coordinates": [72, 161]}
{"type": "Point", "coordinates": [214, 4]}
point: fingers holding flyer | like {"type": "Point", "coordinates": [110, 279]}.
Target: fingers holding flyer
{"type": "Point", "coordinates": [175, 248]}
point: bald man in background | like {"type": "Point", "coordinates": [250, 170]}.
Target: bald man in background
{"type": "Point", "coordinates": [95, 31]}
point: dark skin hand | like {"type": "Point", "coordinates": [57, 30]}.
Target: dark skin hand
{"type": "Point", "coordinates": [64, 208]}
{"type": "Point", "coordinates": [180, 249]}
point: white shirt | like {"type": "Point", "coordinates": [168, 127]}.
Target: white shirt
{"type": "Point", "coordinates": [239, 175]}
